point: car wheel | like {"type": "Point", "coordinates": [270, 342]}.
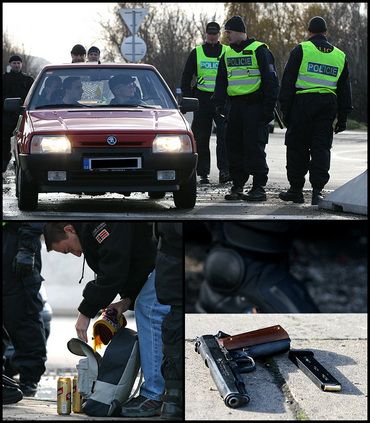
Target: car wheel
{"type": "Point", "coordinates": [186, 196]}
{"type": "Point", "coordinates": [156, 195]}
{"type": "Point", "coordinates": [27, 192]}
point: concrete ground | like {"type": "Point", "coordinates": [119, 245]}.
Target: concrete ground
{"type": "Point", "coordinates": [278, 389]}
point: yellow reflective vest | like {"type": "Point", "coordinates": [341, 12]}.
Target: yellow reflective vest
{"type": "Point", "coordinates": [207, 69]}
{"type": "Point", "coordinates": [243, 74]}
{"type": "Point", "coordinates": [319, 72]}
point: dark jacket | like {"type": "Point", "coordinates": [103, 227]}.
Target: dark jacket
{"type": "Point", "coordinates": [191, 70]}
{"type": "Point", "coordinates": [268, 92]}
{"type": "Point", "coordinates": [288, 90]}
{"type": "Point", "coordinates": [16, 84]}
{"type": "Point", "coordinates": [121, 254]}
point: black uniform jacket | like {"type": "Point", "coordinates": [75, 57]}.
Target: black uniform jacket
{"type": "Point", "coordinates": [121, 254]}
{"type": "Point", "coordinates": [16, 84]}
{"type": "Point", "coordinates": [288, 90]}
{"type": "Point", "coordinates": [268, 92]}
{"type": "Point", "coordinates": [191, 69]}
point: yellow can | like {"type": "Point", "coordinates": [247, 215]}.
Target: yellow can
{"type": "Point", "coordinates": [76, 399]}
{"type": "Point", "coordinates": [64, 395]}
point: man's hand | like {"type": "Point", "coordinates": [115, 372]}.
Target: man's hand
{"type": "Point", "coordinates": [24, 263]}
{"type": "Point", "coordinates": [81, 326]}
{"type": "Point", "coordinates": [340, 126]}
{"type": "Point", "coordinates": [121, 306]}
{"type": "Point", "coordinates": [267, 117]}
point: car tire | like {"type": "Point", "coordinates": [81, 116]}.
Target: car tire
{"type": "Point", "coordinates": [27, 192]}
{"type": "Point", "coordinates": [156, 195]}
{"type": "Point", "coordinates": [186, 196]}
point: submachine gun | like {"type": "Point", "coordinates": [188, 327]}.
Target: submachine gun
{"type": "Point", "coordinates": [228, 357]}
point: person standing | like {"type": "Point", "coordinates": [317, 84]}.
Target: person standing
{"type": "Point", "coordinates": [78, 53]}
{"type": "Point", "coordinates": [169, 288]}
{"type": "Point", "coordinates": [22, 303]}
{"type": "Point", "coordinates": [315, 90]}
{"type": "Point", "coordinates": [247, 79]}
{"type": "Point", "coordinates": [203, 63]}
{"type": "Point", "coordinates": [93, 54]}
{"type": "Point", "coordinates": [15, 84]}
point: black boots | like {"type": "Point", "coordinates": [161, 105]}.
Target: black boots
{"type": "Point", "coordinates": [295, 195]}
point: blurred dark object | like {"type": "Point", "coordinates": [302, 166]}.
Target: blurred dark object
{"type": "Point", "coordinates": [330, 258]}
{"type": "Point", "coordinates": [11, 391]}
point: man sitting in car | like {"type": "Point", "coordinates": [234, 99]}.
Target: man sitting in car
{"type": "Point", "coordinates": [51, 94]}
{"type": "Point", "coordinates": [124, 90]}
{"type": "Point", "coordinates": [72, 90]}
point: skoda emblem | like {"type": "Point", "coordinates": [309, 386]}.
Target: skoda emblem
{"type": "Point", "coordinates": [111, 140]}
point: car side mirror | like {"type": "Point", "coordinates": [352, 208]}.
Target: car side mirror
{"type": "Point", "coordinates": [13, 105]}
{"type": "Point", "coordinates": [188, 104]}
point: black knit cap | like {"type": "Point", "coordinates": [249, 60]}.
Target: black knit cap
{"type": "Point", "coordinates": [317, 25]}
{"type": "Point", "coordinates": [93, 49]}
{"type": "Point", "coordinates": [15, 58]}
{"type": "Point", "coordinates": [78, 49]}
{"type": "Point", "coordinates": [212, 28]}
{"type": "Point", "coordinates": [235, 23]}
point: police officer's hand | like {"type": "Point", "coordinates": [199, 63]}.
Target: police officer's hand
{"type": "Point", "coordinates": [220, 110]}
{"type": "Point", "coordinates": [81, 326]}
{"type": "Point", "coordinates": [340, 126]}
{"type": "Point", "coordinates": [121, 306]}
{"type": "Point", "coordinates": [24, 263]}
{"type": "Point", "coordinates": [267, 117]}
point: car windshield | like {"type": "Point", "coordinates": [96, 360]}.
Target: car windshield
{"type": "Point", "coordinates": [104, 87]}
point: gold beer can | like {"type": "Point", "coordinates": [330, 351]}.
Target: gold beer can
{"type": "Point", "coordinates": [64, 395]}
{"type": "Point", "coordinates": [76, 397]}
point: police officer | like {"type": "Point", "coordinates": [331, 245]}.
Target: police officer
{"type": "Point", "coordinates": [169, 288]}
{"type": "Point", "coordinates": [248, 79]}
{"type": "Point", "coordinates": [78, 53]}
{"type": "Point", "coordinates": [315, 90]}
{"type": "Point", "coordinates": [247, 270]}
{"type": "Point", "coordinates": [15, 84]}
{"type": "Point", "coordinates": [123, 256]}
{"type": "Point", "coordinates": [203, 62]}
{"type": "Point", "coordinates": [22, 303]}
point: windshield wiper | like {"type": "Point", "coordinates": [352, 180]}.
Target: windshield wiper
{"type": "Point", "coordinates": [60, 105]}
{"type": "Point", "coordinates": [145, 106]}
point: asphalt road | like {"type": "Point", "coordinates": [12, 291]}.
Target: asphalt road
{"type": "Point", "coordinates": [349, 159]}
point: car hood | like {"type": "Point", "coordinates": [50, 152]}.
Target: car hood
{"type": "Point", "coordinates": [107, 120]}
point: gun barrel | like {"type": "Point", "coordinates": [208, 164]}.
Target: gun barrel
{"type": "Point", "coordinates": [223, 371]}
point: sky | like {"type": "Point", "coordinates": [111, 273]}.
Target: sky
{"type": "Point", "coordinates": [50, 30]}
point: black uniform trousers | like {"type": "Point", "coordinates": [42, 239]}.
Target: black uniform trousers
{"type": "Point", "coordinates": [202, 129]}
{"type": "Point", "coordinates": [246, 139]}
{"type": "Point", "coordinates": [309, 138]}
{"type": "Point", "coordinates": [22, 320]}
{"type": "Point", "coordinates": [9, 124]}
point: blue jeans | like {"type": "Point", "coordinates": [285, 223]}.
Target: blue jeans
{"type": "Point", "coordinates": [149, 315]}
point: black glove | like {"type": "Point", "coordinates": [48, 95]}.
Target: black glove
{"type": "Point", "coordinates": [220, 110]}
{"type": "Point", "coordinates": [267, 117]}
{"type": "Point", "coordinates": [340, 126]}
{"type": "Point", "coordinates": [24, 263]}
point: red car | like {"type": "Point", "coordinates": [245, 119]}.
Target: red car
{"type": "Point", "coordinates": [97, 128]}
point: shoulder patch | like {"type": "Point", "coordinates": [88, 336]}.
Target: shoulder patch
{"type": "Point", "coordinates": [101, 232]}
{"type": "Point", "coordinates": [102, 235]}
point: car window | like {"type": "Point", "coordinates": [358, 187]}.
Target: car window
{"type": "Point", "coordinates": [103, 87]}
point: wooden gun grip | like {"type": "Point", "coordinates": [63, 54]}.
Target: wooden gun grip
{"type": "Point", "coordinates": [256, 337]}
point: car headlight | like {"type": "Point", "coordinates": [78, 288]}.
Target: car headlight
{"type": "Point", "coordinates": [45, 144]}
{"type": "Point", "coordinates": [172, 144]}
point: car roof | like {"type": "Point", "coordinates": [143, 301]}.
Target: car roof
{"type": "Point", "coordinates": [97, 65]}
